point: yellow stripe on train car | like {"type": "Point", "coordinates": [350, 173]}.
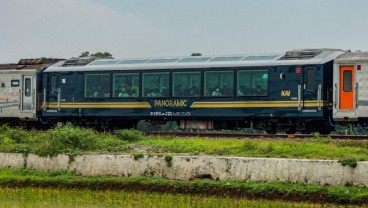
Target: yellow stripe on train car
{"type": "Point", "coordinates": [99, 105]}
{"type": "Point", "coordinates": [258, 104]}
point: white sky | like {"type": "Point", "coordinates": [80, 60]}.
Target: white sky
{"type": "Point", "coordinates": [151, 28]}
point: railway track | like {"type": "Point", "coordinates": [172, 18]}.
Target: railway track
{"type": "Point", "coordinates": [251, 135]}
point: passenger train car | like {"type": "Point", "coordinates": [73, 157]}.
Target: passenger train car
{"type": "Point", "coordinates": [19, 89]}
{"type": "Point", "coordinates": [351, 88]}
{"type": "Point", "coordinates": [297, 91]}
{"type": "Point", "coordinates": [287, 92]}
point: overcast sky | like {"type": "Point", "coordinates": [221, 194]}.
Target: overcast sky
{"type": "Point", "coordinates": [151, 28]}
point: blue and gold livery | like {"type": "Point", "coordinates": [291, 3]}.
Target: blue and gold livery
{"type": "Point", "coordinates": [274, 92]}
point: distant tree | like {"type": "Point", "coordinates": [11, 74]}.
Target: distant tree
{"type": "Point", "coordinates": [97, 54]}
{"type": "Point", "coordinates": [196, 54]}
{"type": "Point", "coordinates": [102, 55]}
{"type": "Point", "coordinates": [84, 54]}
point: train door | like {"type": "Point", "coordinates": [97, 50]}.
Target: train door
{"type": "Point", "coordinates": [27, 93]}
{"type": "Point", "coordinates": [346, 93]}
{"type": "Point", "coordinates": [309, 92]}
{"type": "Point", "coordinates": [54, 91]}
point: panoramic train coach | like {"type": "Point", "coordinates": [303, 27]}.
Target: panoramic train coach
{"type": "Point", "coordinates": [274, 92]}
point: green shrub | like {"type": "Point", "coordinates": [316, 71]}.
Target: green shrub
{"type": "Point", "coordinates": [168, 159]}
{"type": "Point", "coordinates": [18, 134]}
{"type": "Point", "coordinates": [350, 161]}
{"type": "Point", "coordinates": [66, 138]}
{"type": "Point", "coordinates": [321, 139]}
{"type": "Point", "coordinates": [130, 135]}
{"type": "Point", "coordinates": [138, 156]}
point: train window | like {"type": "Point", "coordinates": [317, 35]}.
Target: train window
{"type": "Point", "coordinates": [348, 81]}
{"type": "Point", "coordinates": [252, 83]}
{"type": "Point", "coordinates": [219, 83]}
{"type": "Point", "coordinates": [155, 84]}
{"type": "Point", "coordinates": [53, 83]}
{"type": "Point", "coordinates": [186, 84]}
{"type": "Point", "coordinates": [97, 85]}
{"type": "Point", "coordinates": [310, 78]}
{"type": "Point", "coordinates": [27, 87]}
{"type": "Point", "coordinates": [126, 85]}
{"type": "Point", "coordinates": [15, 83]}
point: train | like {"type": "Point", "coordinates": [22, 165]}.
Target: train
{"type": "Point", "coordinates": [302, 90]}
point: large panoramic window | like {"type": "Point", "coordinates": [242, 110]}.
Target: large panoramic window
{"type": "Point", "coordinates": [218, 83]}
{"type": "Point", "coordinates": [97, 85]}
{"type": "Point", "coordinates": [252, 82]}
{"type": "Point", "coordinates": [155, 84]}
{"type": "Point", "coordinates": [186, 84]}
{"type": "Point", "coordinates": [125, 85]}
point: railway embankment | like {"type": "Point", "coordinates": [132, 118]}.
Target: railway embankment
{"type": "Point", "coordinates": [304, 171]}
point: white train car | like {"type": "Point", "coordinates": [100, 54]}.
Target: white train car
{"type": "Point", "coordinates": [18, 90]}
{"type": "Point", "coordinates": [351, 88]}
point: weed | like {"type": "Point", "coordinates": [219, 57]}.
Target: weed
{"type": "Point", "coordinates": [249, 146]}
{"type": "Point", "coordinates": [168, 159]}
{"type": "Point", "coordinates": [138, 156]}
{"type": "Point", "coordinates": [129, 135]}
{"type": "Point", "coordinates": [350, 161]}
{"type": "Point", "coordinates": [322, 139]}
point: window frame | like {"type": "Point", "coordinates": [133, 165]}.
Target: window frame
{"type": "Point", "coordinates": [267, 70]}
{"type": "Point", "coordinates": [311, 82]}
{"type": "Point", "coordinates": [186, 72]}
{"type": "Point", "coordinates": [125, 73]}
{"type": "Point", "coordinates": [96, 74]}
{"type": "Point", "coordinates": [27, 85]}
{"type": "Point", "coordinates": [143, 73]}
{"type": "Point", "coordinates": [205, 88]}
{"type": "Point", "coordinates": [348, 86]}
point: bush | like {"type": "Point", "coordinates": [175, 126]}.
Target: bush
{"type": "Point", "coordinates": [321, 139]}
{"type": "Point", "coordinates": [351, 161]}
{"type": "Point", "coordinates": [64, 139]}
{"type": "Point", "coordinates": [130, 135]}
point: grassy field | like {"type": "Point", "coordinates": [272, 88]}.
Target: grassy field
{"type": "Point", "coordinates": [74, 140]}
{"type": "Point", "coordinates": [226, 191]}
{"type": "Point", "coordinates": [42, 198]}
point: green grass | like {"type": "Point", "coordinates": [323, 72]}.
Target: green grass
{"type": "Point", "coordinates": [75, 141]}
{"type": "Point", "coordinates": [312, 148]}
{"type": "Point", "coordinates": [223, 191]}
{"type": "Point", "coordinates": [40, 197]}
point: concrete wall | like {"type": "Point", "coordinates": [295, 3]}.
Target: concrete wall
{"type": "Point", "coordinates": [324, 172]}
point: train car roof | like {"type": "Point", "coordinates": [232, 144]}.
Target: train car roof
{"type": "Point", "coordinates": [294, 57]}
{"type": "Point", "coordinates": [352, 57]}
{"type": "Point", "coordinates": [36, 64]}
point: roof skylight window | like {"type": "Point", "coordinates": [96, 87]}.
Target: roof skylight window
{"type": "Point", "coordinates": [234, 58]}
{"type": "Point", "coordinates": [156, 61]}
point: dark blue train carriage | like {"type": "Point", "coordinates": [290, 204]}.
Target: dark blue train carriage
{"type": "Point", "coordinates": [273, 92]}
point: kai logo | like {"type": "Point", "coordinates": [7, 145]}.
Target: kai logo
{"type": "Point", "coordinates": [285, 93]}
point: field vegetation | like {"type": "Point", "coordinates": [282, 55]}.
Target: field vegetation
{"type": "Point", "coordinates": [45, 198]}
{"type": "Point", "coordinates": [225, 193]}
{"type": "Point", "coordinates": [67, 139]}
{"type": "Point", "coordinates": [75, 141]}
